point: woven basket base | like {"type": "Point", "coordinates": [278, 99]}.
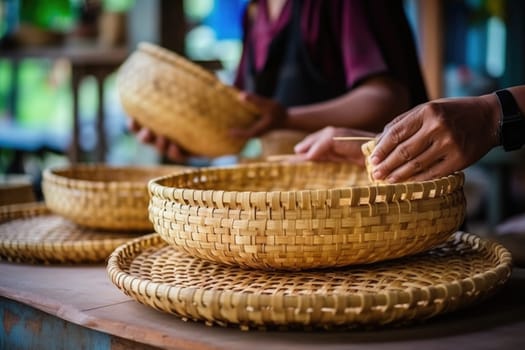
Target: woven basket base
{"type": "Point", "coordinates": [31, 233]}
{"type": "Point", "coordinates": [464, 270]}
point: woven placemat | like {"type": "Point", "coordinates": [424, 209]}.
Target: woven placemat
{"type": "Point", "coordinates": [30, 233]}
{"type": "Point", "coordinates": [464, 270]}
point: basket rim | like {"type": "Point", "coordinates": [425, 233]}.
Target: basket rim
{"type": "Point", "coordinates": [58, 174]}
{"type": "Point", "coordinates": [175, 59]}
{"type": "Point", "coordinates": [370, 193]}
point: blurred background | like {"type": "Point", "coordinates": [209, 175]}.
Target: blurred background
{"type": "Point", "coordinates": [58, 59]}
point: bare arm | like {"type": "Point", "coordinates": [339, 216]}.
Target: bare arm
{"type": "Point", "coordinates": [369, 107]}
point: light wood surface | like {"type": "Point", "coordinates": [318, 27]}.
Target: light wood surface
{"type": "Point", "coordinates": [84, 295]}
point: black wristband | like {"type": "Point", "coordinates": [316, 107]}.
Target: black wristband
{"type": "Point", "coordinates": [512, 122]}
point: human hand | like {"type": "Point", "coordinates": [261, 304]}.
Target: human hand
{"type": "Point", "coordinates": [273, 116]}
{"type": "Point", "coordinates": [165, 147]}
{"type": "Point", "coordinates": [321, 146]}
{"type": "Point", "coordinates": [436, 139]}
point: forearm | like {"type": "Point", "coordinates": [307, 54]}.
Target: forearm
{"type": "Point", "coordinates": [367, 107]}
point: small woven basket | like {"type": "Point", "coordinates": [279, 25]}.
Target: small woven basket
{"type": "Point", "coordinates": [302, 216]}
{"type": "Point", "coordinates": [101, 196]}
{"type": "Point", "coordinates": [182, 101]}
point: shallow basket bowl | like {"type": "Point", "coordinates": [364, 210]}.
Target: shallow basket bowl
{"type": "Point", "coordinates": [302, 216]}
{"type": "Point", "coordinates": [102, 196]}
{"type": "Point", "coordinates": [178, 99]}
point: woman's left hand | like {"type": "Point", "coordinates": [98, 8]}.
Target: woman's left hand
{"type": "Point", "coordinates": [321, 146]}
{"type": "Point", "coordinates": [273, 116]}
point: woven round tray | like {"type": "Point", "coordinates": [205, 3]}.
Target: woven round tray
{"type": "Point", "coordinates": [463, 270]}
{"type": "Point", "coordinates": [299, 216]}
{"type": "Point", "coordinates": [178, 99]}
{"type": "Point", "coordinates": [102, 196]}
{"type": "Point", "coordinates": [31, 233]}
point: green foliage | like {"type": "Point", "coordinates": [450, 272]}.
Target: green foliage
{"type": "Point", "coordinates": [50, 14]}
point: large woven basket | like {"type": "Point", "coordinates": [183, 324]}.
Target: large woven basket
{"type": "Point", "coordinates": [102, 196]}
{"type": "Point", "coordinates": [300, 216]}
{"type": "Point", "coordinates": [178, 99]}
{"type": "Point", "coordinates": [464, 270]}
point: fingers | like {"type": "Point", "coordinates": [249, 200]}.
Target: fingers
{"type": "Point", "coordinates": [406, 159]}
{"type": "Point", "coordinates": [319, 150]}
{"type": "Point", "coordinates": [175, 153]}
{"type": "Point", "coordinates": [244, 133]}
{"type": "Point", "coordinates": [399, 144]}
{"type": "Point", "coordinates": [392, 172]}
{"type": "Point", "coordinates": [441, 158]}
{"type": "Point", "coordinates": [395, 132]}
{"type": "Point", "coordinates": [145, 135]}
{"type": "Point", "coordinates": [438, 169]}
{"type": "Point", "coordinates": [272, 115]}
{"type": "Point", "coordinates": [316, 146]}
{"type": "Point", "coordinates": [133, 125]}
{"type": "Point", "coordinates": [161, 143]}
{"type": "Point", "coordinates": [262, 124]}
{"type": "Point", "coordinates": [305, 144]}
{"type": "Point", "coordinates": [321, 146]}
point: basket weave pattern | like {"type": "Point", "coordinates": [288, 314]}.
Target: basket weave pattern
{"type": "Point", "coordinates": [178, 99]}
{"type": "Point", "coordinates": [300, 216]}
{"type": "Point", "coordinates": [367, 148]}
{"type": "Point", "coordinates": [462, 271]}
{"type": "Point", "coordinates": [31, 233]}
{"type": "Point", "coordinates": [103, 197]}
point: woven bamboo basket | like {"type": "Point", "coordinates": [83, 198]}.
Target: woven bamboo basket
{"type": "Point", "coordinates": [182, 101]}
{"type": "Point", "coordinates": [464, 270]}
{"type": "Point", "coordinates": [102, 196]}
{"type": "Point", "coordinates": [301, 216]}
{"type": "Point", "coordinates": [31, 233]}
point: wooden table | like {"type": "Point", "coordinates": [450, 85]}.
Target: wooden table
{"type": "Point", "coordinates": [50, 307]}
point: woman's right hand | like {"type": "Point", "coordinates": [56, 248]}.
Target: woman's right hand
{"type": "Point", "coordinates": [164, 146]}
{"type": "Point", "coordinates": [273, 115]}
{"type": "Point", "coordinates": [436, 139]}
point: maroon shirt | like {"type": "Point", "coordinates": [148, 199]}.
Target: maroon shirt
{"type": "Point", "coordinates": [371, 37]}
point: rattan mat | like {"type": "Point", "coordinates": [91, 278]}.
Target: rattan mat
{"type": "Point", "coordinates": [31, 233]}
{"type": "Point", "coordinates": [464, 270]}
